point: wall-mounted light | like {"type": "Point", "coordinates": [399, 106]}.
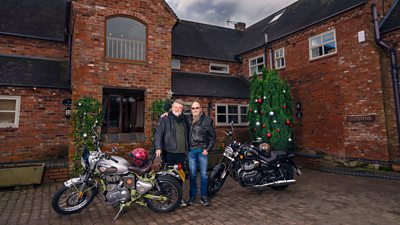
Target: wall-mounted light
{"type": "Point", "coordinates": [67, 111]}
{"type": "Point", "coordinates": [299, 114]}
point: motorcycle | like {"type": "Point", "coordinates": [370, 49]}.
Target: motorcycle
{"type": "Point", "coordinates": [254, 167]}
{"type": "Point", "coordinates": [121, 184]}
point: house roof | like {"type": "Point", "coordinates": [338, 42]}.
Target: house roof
{"type": "Point", "coordinates": [206, 41]}
{"type": "Point", "coordinates": [44, 19]}
{"type": "Point", "coordinates": [209, 85]}
{"type": "Point", "coordinates": [392, 21]}
{"type": "Point", "coordinates": [30, 72]}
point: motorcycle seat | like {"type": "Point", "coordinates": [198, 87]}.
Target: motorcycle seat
{"type": "Point", "coordinates": [274, 156]}
{"type": "Point", "coordinates": [141, 170]}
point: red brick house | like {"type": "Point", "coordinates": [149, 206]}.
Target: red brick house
{"type": "Point", "coordinates": [129, 53]}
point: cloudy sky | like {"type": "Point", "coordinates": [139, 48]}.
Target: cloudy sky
{"type": "Point", "coordinates": [217, 12]}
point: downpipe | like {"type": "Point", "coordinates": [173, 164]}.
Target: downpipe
{"type": "Point", "coordinates": [393, 67]}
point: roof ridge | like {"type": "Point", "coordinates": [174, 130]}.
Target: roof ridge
{"type": "Point", "coordinates": [208, 25]}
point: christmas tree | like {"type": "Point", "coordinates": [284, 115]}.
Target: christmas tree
{"type": "Point", "coordinates": [270, 110]}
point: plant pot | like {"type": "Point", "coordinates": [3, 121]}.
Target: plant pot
{"type": "Point", "coordinates": [396, 167]}
{"type": "Point", "coordinates": [21, 174]}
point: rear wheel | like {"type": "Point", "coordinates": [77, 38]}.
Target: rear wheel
{"type": "Point", "coordinates": [70, 199]}
{"type": "Point", "coordinates": [287, 173]}
{"type": "Point", "coordinates": [171, 189]}
{"type": "Point", "coordinates": [215, 180]}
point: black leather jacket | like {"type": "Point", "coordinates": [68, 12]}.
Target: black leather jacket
{"type": "Point", "coordinates": [202, 134]}
{"type": "Point", "coordinates": [165, 138]}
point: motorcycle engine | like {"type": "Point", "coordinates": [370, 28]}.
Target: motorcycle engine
{"type": "Point", "coordinates": [118, 189]}
{"type": "Point", "coordinates": [249, 174]}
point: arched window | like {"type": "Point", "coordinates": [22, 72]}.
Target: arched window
{"type": "Point", "coordinates": [125, 39]}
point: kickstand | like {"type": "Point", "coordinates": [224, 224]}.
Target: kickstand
{"type": "Point", "coordinates": [119, 212]}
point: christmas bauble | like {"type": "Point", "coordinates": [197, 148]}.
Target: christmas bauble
{"type": "Point", "coordinates": [271, 113]}
{"type": "Point", "coordinates": [269, 135]}
{"type": "Point", "coordinates": [274, 121]}
{"type": "Point", "coordinates": [284, 91]}
{"type": "Point", "coordinates": [256, 100]}
{"type": "Point", "coordinates": [255, 111]}
{"type": "Point", "coordinates": [278, 130]}
{"type": "Point", "coordinates": [263, 125]}
{"type": "Point", "coordinates": [285, 107]}
{"type": "Point", "coordinates": [265, 97]}
{"type": "Point", "coordinates": [259, 100]}
{"type": "Point", "coordinates": [257, 124]}
{"type": "Point", "coordinates": [251, 110]}
{"type": "Point", "coordinates": [290, 140]}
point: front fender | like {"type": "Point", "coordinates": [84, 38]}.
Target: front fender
{"type": "Point", "coordinates": [72, 181]}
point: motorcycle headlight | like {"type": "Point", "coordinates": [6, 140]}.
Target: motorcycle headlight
{"type": "Point", "coordinates": [228, 151]}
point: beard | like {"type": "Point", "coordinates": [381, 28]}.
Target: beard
{"type": "Point", "coordinates": [177, 114]}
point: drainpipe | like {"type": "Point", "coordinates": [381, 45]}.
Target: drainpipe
{"type": "Point", "coordinates": [271, 65]}
{"type": "Point", "coordinates": [393, 66]}
{"type": "Point", "coordinates": [265, 49]}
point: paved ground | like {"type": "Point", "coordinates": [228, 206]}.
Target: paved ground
{"type": "Point", "coordinates": [317, 198]}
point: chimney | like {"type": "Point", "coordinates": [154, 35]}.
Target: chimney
{"type": "Point", "coordinates": [240, 26]}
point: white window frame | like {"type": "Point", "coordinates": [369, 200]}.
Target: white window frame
{"type": "Point", "coordinates": [176, 64]}
{"type": "Point", "coordinates": [256, 65]}
{"type": "Point", "coordinates": [223, 66]}
{"type": "Point", "coordinates": [322, 44]}
{"type": "Point", "coordinates": [227, 114]}
{"type": "Point", "coordinates": [280, 58]}
{"type": "Point", "coordinates": [16, 111]}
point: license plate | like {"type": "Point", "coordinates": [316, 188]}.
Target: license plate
{"type": "Point", "coordinates": [182, 174]}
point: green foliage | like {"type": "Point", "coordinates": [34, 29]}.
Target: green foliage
{"type": "Point", "coordinates": [158, 107]}
{"type": "Point", "coordinates": [86, 111]}
{"type": "Point", "coordinates": [271, 95]}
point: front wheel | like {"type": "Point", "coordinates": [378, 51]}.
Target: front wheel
{"type": "Point", "coordinates": [70, 199]}
{"type": "Point", "coordinates": [170, 188]}
{"type": "Point", "coordinates": [215, 180]}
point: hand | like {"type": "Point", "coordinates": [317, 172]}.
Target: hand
{"type": "Point", "coordinates": [164, 114]}
{"type": "Point", "coordinates": [158, 153]}
{"type": "Point", "coordinates": [205, 152]}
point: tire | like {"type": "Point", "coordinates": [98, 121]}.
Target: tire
{"type": "Point", "coordinates": [287, 171]}
{"type": "Point", "coordinates": [67, 196]}
{"type": "Point", "coordinates": [215, 181]}
{"type": "Point", "coordinates": [171, 188]}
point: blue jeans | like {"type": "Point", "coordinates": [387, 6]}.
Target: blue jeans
{"type": "Point", "coordinates": [195, 156]}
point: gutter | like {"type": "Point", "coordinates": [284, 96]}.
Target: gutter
{"type": "Point", "coordinates": [393, 66]}
{"type": "Point", "coordinates": [68, 30]}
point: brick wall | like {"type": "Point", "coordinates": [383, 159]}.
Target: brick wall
{"type": "Point", "coordinates": [92, 72]}
{"type": "Point", "coordinates": [191, 64]}
{"type": "Point", "coordinates": [43, 130]}
{"type": "Point", "coordinates": [334, 87]}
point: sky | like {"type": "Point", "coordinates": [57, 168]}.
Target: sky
{"type": "Point", "coordinates": [217, 12]}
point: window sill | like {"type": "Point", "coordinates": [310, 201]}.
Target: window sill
{"type": "Point", "coordinates": [124, 137]}
{"type": "Point", "coordinates": [125, 61]}
{"type": "Point", "coordinates": [323, 57]}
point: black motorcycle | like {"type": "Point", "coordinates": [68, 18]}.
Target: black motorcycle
{"type": "Point", "coordinates": [253, 166]}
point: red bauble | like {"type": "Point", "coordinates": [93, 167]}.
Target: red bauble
{"type": "Point", "coordinates": [251, 110]}
{"type": "Point", "coordinates": [255, 129]}
{"type": "Point", "coordinates": [263, 125]}
{"type": "Point", "coordinates": [269, 135]}
{"type": "Point", "coordinates": [278, 130]}
{"type": "Point", "coordinates": [259, 100]}
{"type": "Point", "coordinates": [291, 125]}
{"type": "Point", "coordinates": [285, 107]}
{"type": "Point", "coordinates": [287, 122]}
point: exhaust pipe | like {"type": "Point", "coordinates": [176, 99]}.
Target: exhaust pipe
{"type": "Point", "coordinates": [279, 182]}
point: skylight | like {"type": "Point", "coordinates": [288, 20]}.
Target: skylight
{"type": "Point", "coordinates": [276, 17]}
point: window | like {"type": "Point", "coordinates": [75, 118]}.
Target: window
{"type": "Point", "coordinates": [125, 39]}
{"type": "Point", "coordinates": [280, 58]}
{"type": "Point", "coordinates": [9, 111]}
{"type": "Point", "coordinates": [256, 65]}
{"type": "Point", "coordinates": [276, 17]}
{"type": "Point", "coordinates": [124, 111]}
{"type": "Point", "coordinates": [219, 68]}
{"type": "Point", "coordinates": [176, 64]}
{"type": "Point", "coordinates": [323, 44]}
{"type": "Point", "coordinates": [225, 113]}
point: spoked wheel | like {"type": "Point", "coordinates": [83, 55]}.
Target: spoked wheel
{"type": "Point", "coordinates": [171, 189]}
{"type": "Point", "coordinates": [215, 180]}
{"type": "Point", "coordinates": [70, 199]}
{"type": "Point", "coordinates": [287, 171]}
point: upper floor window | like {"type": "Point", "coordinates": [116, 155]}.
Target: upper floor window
{"type": "Point", "coordinates": [256, 64]}
{"type": "Point", "coordinates": [176, 64]}
{"type": "Point", "coordinates": [125, 39]}
{"type": "Point", "coordinates": [280, 58]}
{"type": "Point", "coordinates": [323, 44]}
{"type": "Point", "coordinates": [219, 68]}
{"type": "Point", "coordinates": [226, 113]}
{"type": "Point", "coordinates": [9, 111]}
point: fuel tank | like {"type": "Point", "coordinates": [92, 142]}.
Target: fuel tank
{"type": "Point", "coordinates": [107, 166]}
